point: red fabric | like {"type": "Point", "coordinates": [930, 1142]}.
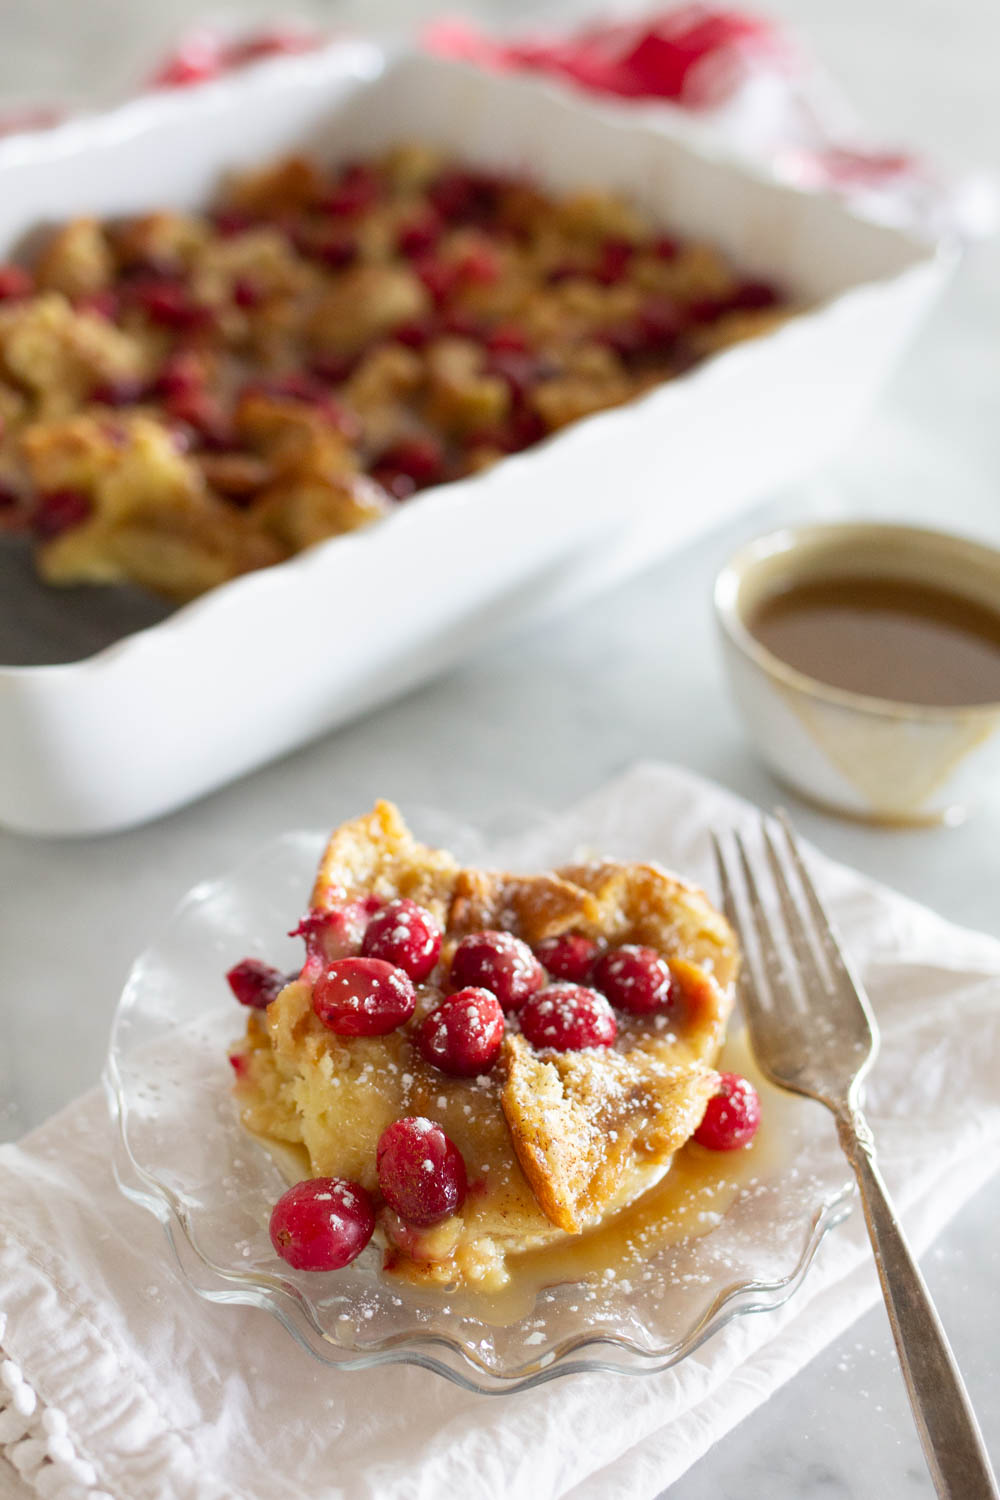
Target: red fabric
{"type": "Point", "coordinates": [693, 55]}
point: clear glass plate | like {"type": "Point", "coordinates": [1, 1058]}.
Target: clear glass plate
{"type": "Point", "coordinates": [181, 1153]}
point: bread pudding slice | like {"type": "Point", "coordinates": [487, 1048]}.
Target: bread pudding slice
{"type": "Point", "coordinates": [563, 1126]}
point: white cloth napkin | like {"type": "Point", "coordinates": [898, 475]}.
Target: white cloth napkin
{"type": "Point", "coordinates": [116, 1380]}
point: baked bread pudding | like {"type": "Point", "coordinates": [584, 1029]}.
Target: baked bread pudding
{"type": "Point", "coordinates": [473, 1064]}
{"type": "Point", "coordinates": [185, 397]}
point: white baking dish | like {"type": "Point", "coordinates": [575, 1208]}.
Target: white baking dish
{"type": "Point", "coordinates": [268, 661]}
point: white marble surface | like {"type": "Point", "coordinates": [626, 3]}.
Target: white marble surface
{"type": "Point", "coordinates": [545, 717]}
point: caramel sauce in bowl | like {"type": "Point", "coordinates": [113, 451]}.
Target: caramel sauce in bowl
{"type": "Point", "coordinates": [865, 659]}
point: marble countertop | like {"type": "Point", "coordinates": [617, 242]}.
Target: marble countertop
{"type": "Point", "coordinates": [546, 716]}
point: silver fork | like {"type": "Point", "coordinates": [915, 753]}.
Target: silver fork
{"type": "Point", "coordinates": [813, 1032]}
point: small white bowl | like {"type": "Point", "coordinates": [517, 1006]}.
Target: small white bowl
{"type": "Point", "coordinates": [868, 757]}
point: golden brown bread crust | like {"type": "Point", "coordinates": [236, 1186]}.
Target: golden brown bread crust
{"type": "Point", "coordinates": [553, 1141]}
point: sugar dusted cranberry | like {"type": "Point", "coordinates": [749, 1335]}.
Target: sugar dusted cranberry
{"type": "Point", "coordinates": [406, 935]}
{"type": "Point", "coordinates": [420, 1171]}
{"type": "Point", "coordinates": [751, 296]}
{"type": "Point", "coordinates": [634, 979]}
{"type": "Point", "coordinates": [463, 1036]}
{"type": "Point", "coordinates": [322, 1224]}
{"type": "Point", "coordinates": [336, 933]}
{"type": "Point", "coordinates": [59, 511]}
{"type": "Point", "coordinates": [731, 1116]}
{"type": "Point", "coordinates": [615, 259]}
{"type": "Point", "coordinates": [419, 235]}
{"type": "Point", "coordinates": [15, 282]}
{"type": "Point", "coordinates": [569, 956]}
{"type": "Point", "coordinates": [363, 997]}
{"type": "Point", "coordinates": [499, 962]}
{"type": "Point", "coordinates": [665, 247]}
{"type": "Point", "coordinates": [255, 983]}
{"type": "Point", "coordinates": [520, 370]}
{"type": "Point", "coordinates": [568, 1017]}
{"type": "Point", "coordinates": [123, 392]}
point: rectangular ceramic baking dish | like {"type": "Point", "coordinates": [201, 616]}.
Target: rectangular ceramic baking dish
{"type": "Point", "coordinates": [166, 714]}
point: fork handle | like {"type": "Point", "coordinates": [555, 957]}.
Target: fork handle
{"type": "Point", "coordinates": [949, 1432]}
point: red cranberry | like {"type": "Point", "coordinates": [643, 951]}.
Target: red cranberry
{"type": "Point", "coordinates": [363, 997]}
{"type": "Point", "coordinates": [568, 956]}
{"type": "Point", "coordinates": [568, 1017]}
{"type": "Point", "coordinates": [419, 236]}
{"type": "Point", "coordinates": [15, 282]}
{"type": "Point", "coordinates": [705, 309]}
{"type": "Point", "coordinates": [731, 1116]}
{"type": "Point", "coordinates": [247, 293]}
{"type": "Point", "coordinates": [463, 1036]}
{"type": "Point", "coordinates": [169, 303]}
{"type": "Point", "coordinates": [499, 962]}
{"type": "Point", "coordinates": [322, 1224]}
{"type": "Point", "coordinates": [464, 196]}
{"type": "Point", "coordinates": [750, 296]}
{"type": "Point", "coordinates": [521, 371]}
{"type": "Point", "coordinates": [420, 1171]}
{"type": "Point", "coordinates": [566, 270]}
{"type": "Point", "coordinates": [479, 266]}
{"type": "Point", "coordinates": [438, 276]}
{"type": "Point", "coordinates": [461, 325]}
{"type": "Point", "coordinates": [238, 1063]}
{"type": "Point", "coordinates": [420, 458]}
{"type": "Point", "coordinates": [181, 374]}
{"type": "Point", "coordinates": [122, 392]}
{"type": "Point", "coordinates": [59, 511]}
{"type": "Point", "coordinates": [634, 979]}
{"type": "Point", "coordinates": [255, 983]}
{"type": "Point", "coordinates": [338, 251]}
{"type": "Point", "coordinates": [626, 339]}
{"type": "Point", "coordinates": [105, 304]}
{"type": "Point", "coordinates": [661, 320]}
{"type": "Point", "coordinates": [356, 191]}
{"type": "Point", "coordinates": [203, 414]}
{"type": "Point", "coordinates": [332, 369]}
{"type": "Point", "coordinates": [414, 335]}
{"type": "Point", "coordinates": [397, 484]}
{"type": "Point", "coordinates": [406, 935]}
{"type": "Point", "coordinates": [616, 256]}
{"type": "Point", "coordinates": [666, 247]}
{"type": "Point", "coordinates": [506, 339]}
{"type": "Point", "coordinates": [230, 222]}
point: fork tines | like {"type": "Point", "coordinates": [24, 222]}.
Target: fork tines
{"type": "Point", "coordinates": [809, 1020]}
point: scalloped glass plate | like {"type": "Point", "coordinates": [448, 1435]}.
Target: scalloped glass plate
{"type": "Point", "coordinates": [181, 1153]}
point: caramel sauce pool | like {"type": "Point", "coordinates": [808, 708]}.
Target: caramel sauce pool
{"type": "Point", "coordinates": [886, 638]}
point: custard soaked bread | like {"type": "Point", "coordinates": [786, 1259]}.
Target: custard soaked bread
{"type": "Point", "coordinates": [557, 1030]}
